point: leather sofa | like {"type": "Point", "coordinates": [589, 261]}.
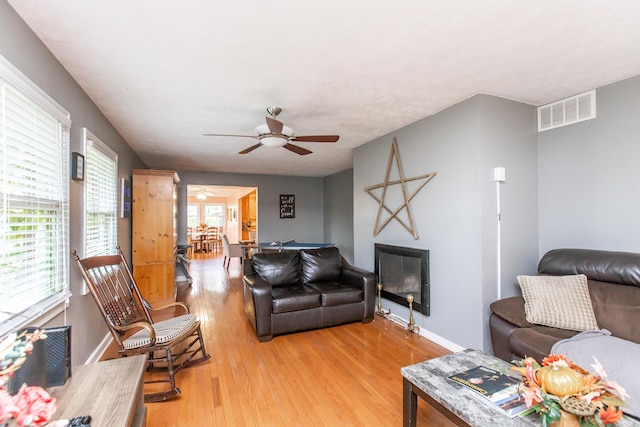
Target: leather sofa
{"type": "Point", "coordinates": [292, 291]}
{"type": "Point", "coordinates": [613, 280]}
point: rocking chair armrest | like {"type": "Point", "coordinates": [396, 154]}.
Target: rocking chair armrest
{"type": "Point", "coordinates": [173, 304]}
{"type": "Point", "coordinates": [139, 325]}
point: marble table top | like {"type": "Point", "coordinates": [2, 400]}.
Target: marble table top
{"type": "Point", "coordinates": [431, 377]}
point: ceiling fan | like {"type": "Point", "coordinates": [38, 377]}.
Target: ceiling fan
{"type": "Point", "coordinates": [276, 134]}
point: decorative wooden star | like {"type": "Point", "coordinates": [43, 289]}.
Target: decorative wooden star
{"type": "Point", "coordinates": [407, 198]}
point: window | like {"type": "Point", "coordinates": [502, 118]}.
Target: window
{"type": "Point", "coordinates": [34, 183]}
{"type": "Point", "coordinates": [193, 215]}
{"type": "Point", "coordinates": [101, 197]}
{"type": "Point", "coordinates": [214, 215]}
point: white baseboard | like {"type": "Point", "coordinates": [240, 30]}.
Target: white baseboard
{"type": "Point", "coordinates": [440, 341]}
{"type": "Point", "coordinates": [451, 346]}
{"type": "Point", "coordinates": [99, 351]}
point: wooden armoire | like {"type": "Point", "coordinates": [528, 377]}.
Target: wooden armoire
{"type": "Point", "coordinates": [154, 232]}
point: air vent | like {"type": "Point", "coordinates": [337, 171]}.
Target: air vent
{"type": "Point", "coordinates": [567, 111]}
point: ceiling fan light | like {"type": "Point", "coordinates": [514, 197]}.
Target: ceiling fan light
{"type": "Point", "coordinates": [273, 141]}
{"type": "Point", "coordinates": [201, 196]}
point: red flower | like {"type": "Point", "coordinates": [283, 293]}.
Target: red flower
{"type": "Point", "coordinates": [611, 415]}
{"type": "Point", "coordinates": [552, 358]}
{"type": "Point", "coordinates": [35, 406]}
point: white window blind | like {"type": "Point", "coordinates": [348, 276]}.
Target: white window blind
{"type": "Point", "coordinates": [34, 183]}
{"type": "Point", "coordinates": [101, 197]}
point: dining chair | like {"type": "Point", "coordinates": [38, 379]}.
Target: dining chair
{"type": "Point", "coordinates": [170, 344]}
{"type": "Point", "coordinates": [231, 250]}
{"type": "Point", "coordinates": [189, 246]}
{"type": "Point", "coordinates": [212, 240]}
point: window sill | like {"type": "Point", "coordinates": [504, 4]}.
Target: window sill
{"type": "Point", "coordinates": [36, 316]}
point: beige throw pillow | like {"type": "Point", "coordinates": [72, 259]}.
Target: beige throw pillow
{"type": "Point", "coordinates": [558, 301]}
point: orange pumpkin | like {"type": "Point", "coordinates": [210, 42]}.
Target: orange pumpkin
{"type": "Point", "coordinates": [559, 380]}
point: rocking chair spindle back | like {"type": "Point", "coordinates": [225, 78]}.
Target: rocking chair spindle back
{"type": "Point", "coordinates": [128, 316]}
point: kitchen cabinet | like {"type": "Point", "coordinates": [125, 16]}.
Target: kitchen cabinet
{"type": "Point", "coordinates": [249, 214]}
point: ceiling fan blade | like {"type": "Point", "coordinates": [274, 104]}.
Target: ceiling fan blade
{"type": "Point", "coordinates": [250, 149]}
{"type": "Point", "coordinates": [275, 126]}
{"type": "Point", "coordinates": [297, 150]}
{"type": "Point", "coordinates": [224, 134]}
{"type": "Point", "coordinates": [316, 138]}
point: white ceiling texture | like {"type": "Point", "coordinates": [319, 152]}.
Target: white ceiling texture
{"type": "Point", "coordinates": [166, 72]}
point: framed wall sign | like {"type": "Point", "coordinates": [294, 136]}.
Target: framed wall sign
{"type": "Point", "coordinates": [77, 166]}
{"type": "Point", "coordinates": [287, 206]}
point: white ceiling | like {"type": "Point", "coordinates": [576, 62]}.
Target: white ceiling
{"type": "Point", "coordinates": [225, 191]}
{"type": "Point", "coordinates": [165, 72]}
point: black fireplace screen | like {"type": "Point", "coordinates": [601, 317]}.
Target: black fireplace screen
{"type": "Point", "coordinates": [403, 271]}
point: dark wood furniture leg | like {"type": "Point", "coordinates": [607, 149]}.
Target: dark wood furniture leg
{"type": "Point", "coordinates": [409, 404]}
{"type": "Point", "coordinates": [410, 395]}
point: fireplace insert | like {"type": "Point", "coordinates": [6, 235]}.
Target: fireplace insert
{"type": "Point", "coordinates": [402, 271]}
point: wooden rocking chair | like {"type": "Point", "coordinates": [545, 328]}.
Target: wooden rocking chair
{"type": "Point", "coordinates": [170, 344]}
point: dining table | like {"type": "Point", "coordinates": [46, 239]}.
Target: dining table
{"type": "Point", "coordinates": [199, 238]}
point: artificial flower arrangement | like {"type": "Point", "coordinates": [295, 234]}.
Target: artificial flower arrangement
{"type": "Point", "coordinates": [32, 405]}
{"type": "Point", "coordinates": [559, 384]}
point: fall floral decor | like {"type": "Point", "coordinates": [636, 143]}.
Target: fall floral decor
{"type": "Point", "coordinates": [31, 406]}
{"type": "Point", "coordinates": [559, 385]}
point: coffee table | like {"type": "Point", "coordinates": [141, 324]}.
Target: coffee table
{"type": "Point", "coordinates": [459, 404]}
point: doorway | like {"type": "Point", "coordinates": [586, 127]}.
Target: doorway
{"type": "Point", "coordinates": [223, 206]}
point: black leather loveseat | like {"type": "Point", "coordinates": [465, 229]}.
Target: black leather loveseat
{"type": "Point", "coordinates": [298, 290]}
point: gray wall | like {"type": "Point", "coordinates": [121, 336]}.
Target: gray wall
{"type": "Point", "coordinates": [20, 46]}
{"type": "Point", "coordinates": [589, 176]}
{"type": "Point", "coordinates": [455, 214]}
{"type": "Point", "coordinates": [307, 226]}
{"type": "Point", "coordinates": [338, 212]}
{"type": "Point", "coordinates": [577, 190]}
{"type": "Point", "coordinates": [508, 140]}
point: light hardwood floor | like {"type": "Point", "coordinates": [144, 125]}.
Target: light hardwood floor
{"type": "Point", "coordinates": [340, 376]}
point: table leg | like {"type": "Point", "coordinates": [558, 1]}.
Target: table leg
{"type": "Point", "coordinates": [409, 404]}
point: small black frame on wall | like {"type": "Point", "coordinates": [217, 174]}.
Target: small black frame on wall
{"type": "Point", "coordinates": [287, 206]}
{"type": "Point", "coordinates": [125, 194]}
{"type": "Point", "coordinates": [77, 166]}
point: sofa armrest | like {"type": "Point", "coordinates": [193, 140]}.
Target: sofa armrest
{"type": "Point", "coordinates": [500, 331]}
{"type": "Point", "coordinates": [258, 304]}
{"type": "Point", "coordinates": [512, 310]}
{"type": "Point", "coordinates": [364, 280]}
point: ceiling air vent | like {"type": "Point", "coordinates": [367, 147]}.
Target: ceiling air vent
{"type": "Point", "coordinates": [567, 111]}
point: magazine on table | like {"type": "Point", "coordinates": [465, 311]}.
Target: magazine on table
{"type": "Point", "coordinates": [500, 389]}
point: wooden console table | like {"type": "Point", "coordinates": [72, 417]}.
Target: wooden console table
{"type": "Point", "coordinates": [111, 392]}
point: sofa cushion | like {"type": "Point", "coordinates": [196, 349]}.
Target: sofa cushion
{"type": "Point", "coordinates": [320, 265]}
{"type": "Point", "coordinates": [615, 305]}
{"type": "Point", "coordinates": [292, 298]}
{"type": "Point", "coordinates": [278, 268]}
{"type": "Point", "coordinates": [605, 266]}
{"type": "Point", "coordinates": [335, 293]}
{"type": "Point", "coordinates": [537, 341]}
{"type": "Point", "coordinates": [558, 301]}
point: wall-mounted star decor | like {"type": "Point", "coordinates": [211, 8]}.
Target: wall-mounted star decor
{"type": "Point", "coordinates": [406, 197]}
